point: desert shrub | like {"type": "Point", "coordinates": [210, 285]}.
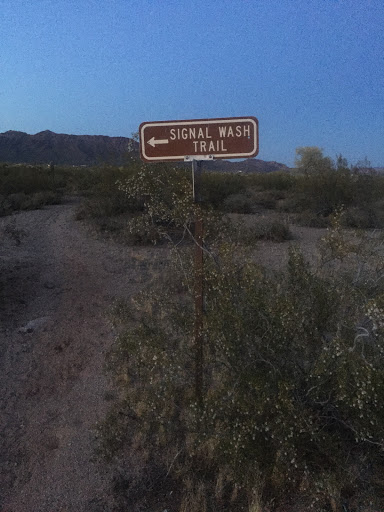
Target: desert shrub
{"type": "Point", "coordinates": [44, 198]}
{"type": "Point", "coordinates": [15, 179]}
{"type": "Point", "coordinates": [274, 230]}
{"type": "Point", "coordinates": [272, 180]}
{"type": "Point", "coordinates": [310, 160]}
{"type": "Point", "coordinates": [322, 186]}
{"type": "Point", "coordinates": [324, 192]}
{"type": "Point", "coordinates": [316, 196]}
{"type": "Point", "coordinates": [292, 386]}
{"type": "Point", "coordinates": [104, 197]}
{"type": "Point", "coordinates": [168, 211]}
{"type": "Point", "coordinates": [26, 188]}
{"type": "Point", "coordinates": [240, 193]}
{"type": "Point", "coordinates": [267, 198]}
{"type": "Point", "coordinates": [13, 202]}
{"type": "Point", "coordinates": [104, 205]}
{"type": "Point", "coordinates": [292, 203]}
{"type": "Point", "coordinates": [361, 218]}
{"type": "Point", "coordinates": [320, 195]}
{"type": "Point", "coordinates": [310, 219]}
{"type": "Point", "coordinates": [252, 201]}
{"type": "Point", "coordinates": [368, 188]}
{"type": "Point", "coordinates": [21, 201]}
{"type": "Point", "coordinates": [239, 203]}
{"type": "Point", "coordinates": [78, 180]}
{"type": "Point", "coordinates": [293, 381]}
{"type": "Point", "coordinates": [28, 179]}
{"type": "Point", "coordinates": [217, 187]}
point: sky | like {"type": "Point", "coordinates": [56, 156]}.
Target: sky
{"type": "Point", "coordinates": [311, 71]}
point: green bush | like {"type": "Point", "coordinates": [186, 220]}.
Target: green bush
{"type": "Point", "coordinates": [324, 186]}
{"type": "Point", "coordinates": [293, 387]}
{"type": "Point", "coordinates": [361, 218]}
{"type": "Point", "coordinates": [21, 201]}
{"type": "Point", "coordinates": [252, 201]}
{"type": "Point", "coordinates": [15, 179]}
{"type": "Point", "coordinates": [316, 196]}
{"type": "Point", "coordinates": [274, 230]}
{"type": "Point", "coordinates": [267, 199]}
{"type": "Point", "coordinates": [368, 189]}
{"type": "Point", "coordinates": [167, 210]}
{"type": "Point", "coordinates": [293, 410]}
{"type": "Point", "coordinates": [324, 192]}
{"type": "Point", "coordinates": [104, 197]}
{"type": "Point", "coordinates": [281, 181]}
{"type": "Point", "coordinates": [217, 187]}
{"type": "Point", "coordinates": [26, 188]}
{"type": "Point", "coordinates": [309, 219]}
{"type": "Point", "coordinates": [238, 203]}
{"type": "Point", "coordinates": [78, 180]}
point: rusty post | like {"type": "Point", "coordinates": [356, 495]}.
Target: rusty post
{"type": "Point", "coordinates": [198, 234]}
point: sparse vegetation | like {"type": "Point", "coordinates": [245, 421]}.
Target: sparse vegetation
{"type": "Point", "coordinates": [26, 188]}
{"type": "Point", "coordinates": [292, 417]}
{"type": "Point", "coordinates": [311, 193]}
{"type": "Point", "coordinates": [321, 187]}
{"type": "Point", "coordinates": [270, 229]}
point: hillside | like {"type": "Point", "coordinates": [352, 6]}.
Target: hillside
{"type": "Point", "coordinates": [63, 149]}
{"type": "Point", "coordinates": [245, 166]}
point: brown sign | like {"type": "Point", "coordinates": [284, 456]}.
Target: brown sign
{"type": "Point", "coordinates": [234, 137]}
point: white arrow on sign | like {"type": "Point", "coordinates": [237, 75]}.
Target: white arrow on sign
{"type": "Point", "coordinates": [153, 141]}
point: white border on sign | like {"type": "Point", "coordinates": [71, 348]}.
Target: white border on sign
{"type": "Point", "coordinates": [202, 122]}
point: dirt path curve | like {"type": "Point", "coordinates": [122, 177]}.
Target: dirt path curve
{"type": "Point", "coordinates": [56, 284]}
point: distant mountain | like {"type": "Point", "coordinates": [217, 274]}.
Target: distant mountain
{"type": "Point", "coordinates": [62, 149]}
{"type": "Point", "coordinates": [245, 166]}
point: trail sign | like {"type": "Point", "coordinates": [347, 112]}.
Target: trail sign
{"type": "Point", "coordinates": [196, 140]}
{"type": "Point", "coordinates": [233, 137]}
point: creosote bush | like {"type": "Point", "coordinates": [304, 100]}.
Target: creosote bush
{"type": "Point", "coordinates": [167, 211]}
{"type": "Point", "coordinates": [239, 203]}
{"type": "Point", "coordinates": [274, 231]}
{"type": "Point", "coordinates": [276, 181]}
{"type": "Point", "coordinates": [322, 186]}
{"type": "Point", "coordinates": [104, 200]}
{"type": "Point", "coordinates": [293, 414]}
{"type": "Point", "coordinates": [218, 187]}
{"type": "Point", "coordinates": [26, 187]}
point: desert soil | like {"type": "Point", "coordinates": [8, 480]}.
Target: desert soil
{"type": "Point", "coordinates": [58, 281]}
{"type": "Point", "coordinates": [57, 284]}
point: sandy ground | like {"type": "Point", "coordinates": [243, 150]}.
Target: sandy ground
{"type": "Point", "coordinates": [275, 255]}
{"type": "Point", "coordinates": [57, 283]}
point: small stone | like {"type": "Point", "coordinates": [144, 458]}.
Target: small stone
{"type": "Point", "coordinates": [34, 324]}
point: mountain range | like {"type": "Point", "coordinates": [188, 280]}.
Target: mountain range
{"type": "Point", "coordinates": [62, 149]}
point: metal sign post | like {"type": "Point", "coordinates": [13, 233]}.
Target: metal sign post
{"type": "Point", "coordinates": [199, 286]}
{"type": "Point", "coordinates": [201, 139]}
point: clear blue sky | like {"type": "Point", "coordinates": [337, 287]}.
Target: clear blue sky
{"type": "Point", "coordinates": [311, 71]}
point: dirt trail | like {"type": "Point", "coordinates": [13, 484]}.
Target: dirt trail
{"type": "Point", "coordinates": [56, 284]}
